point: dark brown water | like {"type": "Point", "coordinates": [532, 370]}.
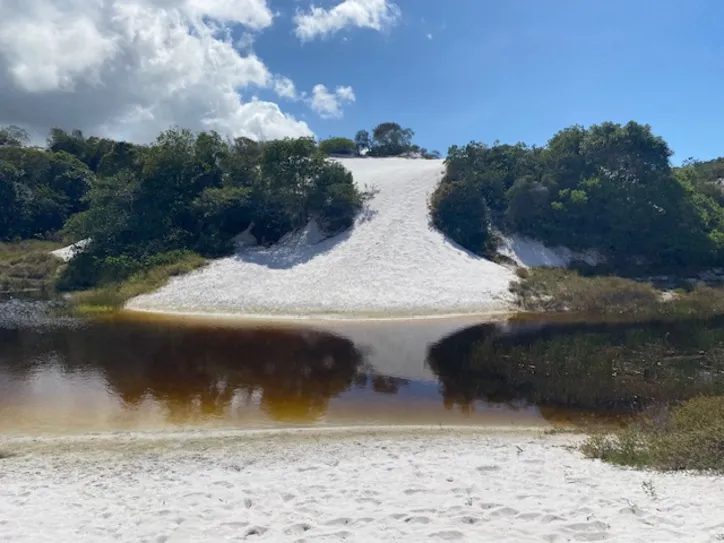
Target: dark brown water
{"type": "Point", "coordinates": [134, 372]}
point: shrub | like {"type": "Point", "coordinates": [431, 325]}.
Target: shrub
{"type": "Point", "coordinates": [689, 436]}
{"type": "Point", "coordinates": [148, 275]}
{"type": "Point", "coordinates": [334, 202]}
{"type": "Point", "coordinates": [459, 211]}
{"type": "Point", "coordinates": [338, 146]}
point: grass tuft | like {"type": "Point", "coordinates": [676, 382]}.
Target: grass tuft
{"type": "Point", "coordinates": [27, 265]}
{"type": "Point", "coordinates": [689, 436]}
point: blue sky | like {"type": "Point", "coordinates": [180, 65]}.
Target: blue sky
{"type": "Point", "coordinates": [517, 70]}
{"type": "Point", "coordinates": [452, 70]}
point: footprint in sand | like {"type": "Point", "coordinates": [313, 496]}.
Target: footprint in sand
{"type": "Point", "coordinates": [418, 520]}
{"type": "Point", "coordinates": [298, 529]}
{"type": "Point", "coordinates": [504, 512]}
{"type": "Point", "coordinates": [255, 531]}
{"type": "Point", "coordinates": [447, 535]}
{"type": "Point", "coordinates": [343, 521]}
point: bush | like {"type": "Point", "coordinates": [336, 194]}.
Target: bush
{"type": "Point", "coordinates": [460, 211]}
{"type": "Point", "coordinates": [338, 146]}
{"type": "Point", "coordinates": [131, 281]}
{"type": "Point", "coordinates": [689, 436]}
{"type": "Point", "coordinates": [334, 202]}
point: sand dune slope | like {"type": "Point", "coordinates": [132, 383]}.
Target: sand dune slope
{"type": "Point", "coordinates": [391, 264]}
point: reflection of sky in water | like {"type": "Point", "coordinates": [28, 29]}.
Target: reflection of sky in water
{"type": "Point", "coordinates": [141, 375]}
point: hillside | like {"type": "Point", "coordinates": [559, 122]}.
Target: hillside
{"type": "Point", "coordinates": [390, 264]}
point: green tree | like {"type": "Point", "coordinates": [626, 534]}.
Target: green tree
{"type": "Point", "coordinates": [458, 209]}
{"type": "Point", "coordinates": [43, 190]}
{"type": "Point", "coordinates": [338, 146]}
{"type": "Point", "coordinates": [14, 136]}
{"type": "Point", "coordinates": [390, 139]}
{"type": "Point", "coordinates": [198, 191]}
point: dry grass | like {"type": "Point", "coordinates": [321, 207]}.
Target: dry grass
{"type": "Point", "coordinates": [27, 265]}
{"type": "Point", "coordinates": [689, 436]}
{"type": "Point", "coordinates": [562, 290]}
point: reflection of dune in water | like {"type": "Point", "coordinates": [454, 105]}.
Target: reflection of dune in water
{"type": "Point", "coordinates": [132, 371]}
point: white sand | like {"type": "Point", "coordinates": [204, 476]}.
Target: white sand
{"type": "Point", "coordinates": [531, 253]}
{"type": "Point", "coordinates": [391, 264]}
{"type": "Point", "coordinates": [67, 253]}
{"type": "Point", "coordinates": [404, 485]}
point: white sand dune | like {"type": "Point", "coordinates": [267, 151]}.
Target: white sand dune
{"type": "Point", "coordinates": [531, 253]}
{"type": "Point", "coordinates": [404, 485]}
{"type": "Point", "coordinates": [391, 264]}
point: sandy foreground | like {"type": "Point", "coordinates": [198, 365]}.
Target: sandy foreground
{"type": "Point", "coordinates": [373, 484]}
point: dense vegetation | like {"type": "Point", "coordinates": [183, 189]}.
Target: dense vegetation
{"type": "Point", "coordinates": [148, 206]}
{"type": "Point", "coordinates": [39, 190]}
{"type": "Point", "coordinates": [608, 187]}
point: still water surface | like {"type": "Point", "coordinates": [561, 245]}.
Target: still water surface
{"type": "Point", "coordinates": [135, 372]}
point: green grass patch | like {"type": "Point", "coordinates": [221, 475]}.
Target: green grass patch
{"type": "Point", "coordinates": [111, 296]}
{"type": "Point", "coordinates": [27, 265]}
{"type": "Point", "coordinates": [563, 290]}
{"type": "Point", "coordinates": [689, 436]}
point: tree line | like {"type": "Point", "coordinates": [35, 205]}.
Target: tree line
{"type": "Point", "coordinates": [146, 204]}
{"type": "Point", "coordinates": [386, 140]}
{"type": "Point", "coordinates": [608, 187]}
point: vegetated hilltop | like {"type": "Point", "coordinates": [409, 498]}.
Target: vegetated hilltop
{"type": "Point", "coordinates": [151, 205]}
{"type": "Point", "coordinates": [164, 204]}
{"type": "Point", "coordinates": [608, 187]}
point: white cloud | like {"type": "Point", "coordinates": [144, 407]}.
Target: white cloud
{"type": "Point", "coordinates": [329, 104]}
{"type": "Point", "coordinates": [252, 13]}
{"type": "Point", "coordinates": [284, 87]}
{"type": "Point", "coordinates": [319, 22]}
{"type": "Point", "coordinates": [429, 36]}
{"type": "Point", "coordinates": [131, 68]}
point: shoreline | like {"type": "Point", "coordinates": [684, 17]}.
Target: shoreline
{"type": "Point", "coordinates": [490, 316]}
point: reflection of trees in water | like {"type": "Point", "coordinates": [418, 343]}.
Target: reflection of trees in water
{"type": "Point", "coordinates": [382, 384]}
{"type": "Point", "coordinates": [599, 367]}
{"type": "Point", "coordinates": [291, 374]}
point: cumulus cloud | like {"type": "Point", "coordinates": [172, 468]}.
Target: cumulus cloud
{"type": "Point", "coordinates": [284, 87]}
{"type": "Point", "coordinates": [319, 22]}
{"type": "Point", "coordinates": [329, 104]}
{"type": "Point", "coordinates": [131, 68]}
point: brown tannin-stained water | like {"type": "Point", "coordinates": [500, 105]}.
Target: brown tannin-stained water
{"type": "Point", "coordinates": [138, 372]}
